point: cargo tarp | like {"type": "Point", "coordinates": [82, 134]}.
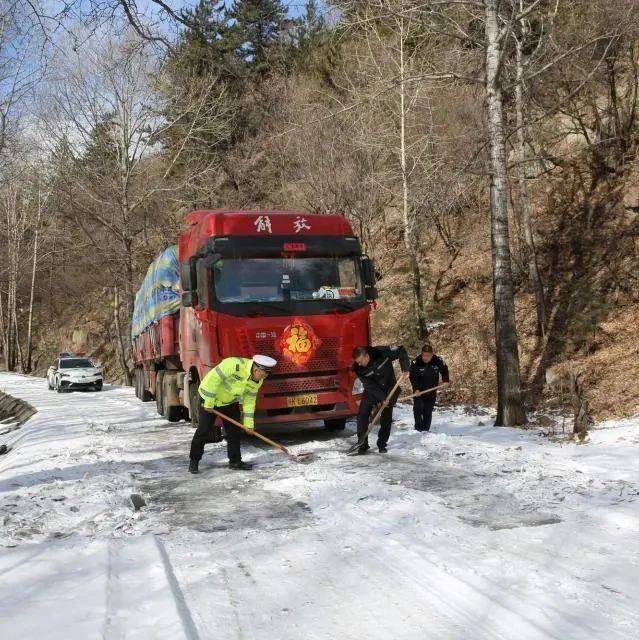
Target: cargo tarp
{"type": "Point", "coordinates": [159, 294]}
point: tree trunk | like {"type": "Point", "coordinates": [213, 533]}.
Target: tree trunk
{"type": "Point", "coordinates": [27, 361]}
{"type": "Point", "coordinates": [510, 410]}
{"type": "Point", "coordinates": [523, 200]}
{"type": "Point", "coordinates": [582, 416]}
{"type": "Point", "coordinates": [406, 212]}
{"type": "Point", "coordinates": [19, 355]}
{"type": "Point", "coordinates": [11, 204]}
{"type": "Point", "coordinates": [119, 339]}
{"type": "Point", "coordinates": [3, 331]}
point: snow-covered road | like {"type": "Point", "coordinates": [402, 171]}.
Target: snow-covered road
{"type": "Point", "coordinates": [469, 532]}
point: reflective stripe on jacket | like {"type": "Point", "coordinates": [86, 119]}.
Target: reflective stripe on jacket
{"type": "Point", "coordinates": [229, 382]}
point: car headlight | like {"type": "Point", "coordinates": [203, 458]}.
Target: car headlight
{"type": "Point", "coordinates": [358, 387]}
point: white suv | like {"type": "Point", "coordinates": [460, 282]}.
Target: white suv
{"type": "Point", "coordinates": [68, 373]}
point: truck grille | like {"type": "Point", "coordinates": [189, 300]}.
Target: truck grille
{"type": "Point", "coordinates": [326, 358]}
{"type": "Point", "coordinates": [275, 386]}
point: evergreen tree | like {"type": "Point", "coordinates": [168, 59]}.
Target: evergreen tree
{"type": "Point", "coordinates": [256, 30]}
{"type": "Point", "coordinates": [206, 46]}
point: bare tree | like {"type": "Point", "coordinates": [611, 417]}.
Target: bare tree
{"type": "Point", "coordinates": [523, 41]}
{"type": "Point", "coordinates": [41, 203]}
{"type": "Point", "coordinates": [510, 410]}
{"type": "Point", "coordinates": [393, 118]}
{"type": "Point", "coordinates": [108, 107]}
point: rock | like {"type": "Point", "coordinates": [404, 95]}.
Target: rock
{"type": "Point", "coordinates": [544, 421]}
{"type": "Point", "coordinates": [138, 501]}
{"type": "Point", "coordinates": [3, 449]}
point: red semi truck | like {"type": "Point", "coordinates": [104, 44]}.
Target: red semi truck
{"type": "Point", "coordinates": [293, 286]}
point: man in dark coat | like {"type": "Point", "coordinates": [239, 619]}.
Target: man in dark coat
{"type": "Point", "coordinates": [425, 372]}
{"type": "Point", "coordinates": [374, 367]}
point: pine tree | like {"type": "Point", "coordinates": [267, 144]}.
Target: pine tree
{"type": "Point", "coordinates": [256, 28]}
{"type": "Point", "coordinates": [207, 46]}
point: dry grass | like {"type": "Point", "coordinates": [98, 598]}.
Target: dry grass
{"type": "Point", "coordinates": [608, 359]}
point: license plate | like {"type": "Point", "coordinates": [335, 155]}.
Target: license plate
{"type": "Point", "coordinates": [302, 401]}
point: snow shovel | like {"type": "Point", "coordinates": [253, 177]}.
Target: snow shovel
{"type": "Point", "coordinates": [298, 457]}
{"type": "Point", "coordinates": [378, 415]}
{"type": "Point", "coordinates": [421, 393]}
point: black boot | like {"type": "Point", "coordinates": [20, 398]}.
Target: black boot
{"type": "Point", "coordinates": [240, 466]}
{"type": "Point", "coordinates": [193, 466]}
{"type": "Point", "coordinates": [382, 448]}
{"type": "Point", "coordinates": [363, 450]}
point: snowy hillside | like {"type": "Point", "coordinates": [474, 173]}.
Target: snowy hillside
{"type": "Point", "coordinates": [470, 532]}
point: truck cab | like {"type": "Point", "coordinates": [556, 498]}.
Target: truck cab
{"type": "Point", "coordinates": [289, 285]}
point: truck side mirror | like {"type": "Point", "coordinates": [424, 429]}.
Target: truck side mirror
{"type": "Point", "coordinates": [368, 273]}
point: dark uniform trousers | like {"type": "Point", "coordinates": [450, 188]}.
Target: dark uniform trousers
{"type": "Point", "coordinates": [364, 417]}
{"type": "Point", "coordinates": [423, 410]}
{"type": "Point", "coordinates": [208, 432]}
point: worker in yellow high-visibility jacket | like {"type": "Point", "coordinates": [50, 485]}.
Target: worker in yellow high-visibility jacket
{"type": "Point", "coordinates": [233, 382]}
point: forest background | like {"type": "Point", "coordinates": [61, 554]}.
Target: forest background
{"type": "Point", "coordinates": [485, 152]}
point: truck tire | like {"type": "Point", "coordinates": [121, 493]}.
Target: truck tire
{"type": "Point", "coordinates": [145, 394]}
{"type": "Point", "coordinates": [335, 424]}
{"type": "Point", "coordinates": [159, 392]}
{"type": "Point", "coordinates": [194, 403]}
{"type": "Point", "coordinates": [172, 412]}
{"type": "Point", "coordinates": [137, 382]}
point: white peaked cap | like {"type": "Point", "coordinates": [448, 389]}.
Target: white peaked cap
{"type": "Point", "coordinates": [265, 362]}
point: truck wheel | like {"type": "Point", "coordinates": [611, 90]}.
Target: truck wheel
{"type": "Point", "coordinates": [137, 382]}
{"type": "Point", "coordinates": [335, 424]}
{"type": "Point", "coordinates": [145, 394]}
{"type": "Point", "coordinates": [159, 392]}
{"type": "Point", "coordinates": [194, 403]}
{"type": "Point", "coordinates": [173, 413]}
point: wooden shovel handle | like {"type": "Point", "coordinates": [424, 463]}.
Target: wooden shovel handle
{"type": "Point", "coordinates": [252, 432]}
{"type": "Point", "coordinates": [421, 393]}
{"type": "Point", "coordinates": [371, 424]}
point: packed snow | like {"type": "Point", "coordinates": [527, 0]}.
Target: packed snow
{"type": "Point", "coordinates": [467, 532]}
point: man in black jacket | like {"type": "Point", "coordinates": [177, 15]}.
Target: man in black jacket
{"type": "Point", "coordinates": [374, 367]}
{"type": "Point", "coordinates": [425, 371]}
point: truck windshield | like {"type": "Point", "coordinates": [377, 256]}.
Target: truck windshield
{"type": "Point", "coordinates": [275, 279]}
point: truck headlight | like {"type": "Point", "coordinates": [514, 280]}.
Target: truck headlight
{"type": "Point", "coordinates": [358, 387]}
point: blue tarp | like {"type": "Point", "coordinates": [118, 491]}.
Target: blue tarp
{"type": "Point", "coordinates": [159, 294]}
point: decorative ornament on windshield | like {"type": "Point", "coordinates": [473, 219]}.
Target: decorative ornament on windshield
{"type": "Point", "coordinates": [298, 342]}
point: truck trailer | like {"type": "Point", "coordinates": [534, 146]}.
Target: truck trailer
{"type": "Point", "coordinates": [290, 285]}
